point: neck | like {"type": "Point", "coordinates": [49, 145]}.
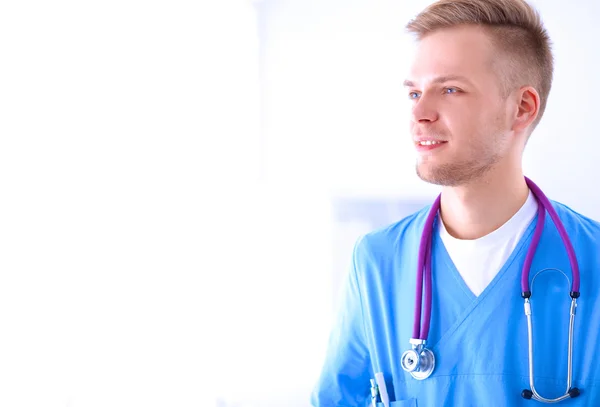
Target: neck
{"type": "Point", "coordinates": [474, 210]}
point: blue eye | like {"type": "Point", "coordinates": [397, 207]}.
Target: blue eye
{"type": "Point", "coordinates": [450, 90]}
{"type": "Point", "coordinates": [413, 95]}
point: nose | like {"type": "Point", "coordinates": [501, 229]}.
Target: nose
{"type": "Point", "coordinates": [424, 110]}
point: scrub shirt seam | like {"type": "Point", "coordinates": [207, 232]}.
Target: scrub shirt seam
{"type": "Point", "coordinates": [587, 382]}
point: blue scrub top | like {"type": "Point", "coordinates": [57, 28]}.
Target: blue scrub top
{"type": "Point", "coordinates": [480, 343]}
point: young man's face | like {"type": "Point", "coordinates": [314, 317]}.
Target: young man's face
{"type": "Point", "coordinates": [457, 102]}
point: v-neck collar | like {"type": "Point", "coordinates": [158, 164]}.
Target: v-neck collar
{"type": "Point", "coordinates": [450, 267]}
{"type": "Point", "coordinates": [473, 301]}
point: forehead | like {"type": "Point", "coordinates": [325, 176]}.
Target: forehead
{"type": "Point", "coordinates": [463, 50]}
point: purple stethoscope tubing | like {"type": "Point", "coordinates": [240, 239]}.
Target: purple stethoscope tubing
{"type": "Point", "coordinates": [424, 259]}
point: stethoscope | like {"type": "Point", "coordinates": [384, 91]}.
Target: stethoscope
{"type": "Point", "coordinates": [420, 361]}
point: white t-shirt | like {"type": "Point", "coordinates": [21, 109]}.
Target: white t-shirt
{"type": "Point", "coordinates": [479, 260]}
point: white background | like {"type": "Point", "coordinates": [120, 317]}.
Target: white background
{"type": "Point", "coordinates": [166, 175]}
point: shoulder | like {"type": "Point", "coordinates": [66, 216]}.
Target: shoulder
{"type": "Point", "coordinates": [385, 241]}
{"type": "Point", "coordinates": [584, 234]}
{"type": "Point", "coordinates": [577, 223]}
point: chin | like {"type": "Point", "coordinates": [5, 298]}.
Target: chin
{"type": "Point", "coordinates": [440, 175]}
{"type": "Point", "coordinates": [452, 175]}
{"type": "Point", "coordinates": [426, 174]}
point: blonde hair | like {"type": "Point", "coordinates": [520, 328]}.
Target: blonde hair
{"type": "Point", "coordinates": [515, 28]}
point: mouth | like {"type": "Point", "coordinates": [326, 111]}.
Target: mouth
{"type": "Point", "coordinates": [428, 145]}
{"type": "Point", "coordinates": [429, 142]}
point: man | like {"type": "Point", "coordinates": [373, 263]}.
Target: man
{"type": "Point", "coordinates": [478, 85]}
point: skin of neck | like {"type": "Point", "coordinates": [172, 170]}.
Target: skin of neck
{"type": "Point", "coordinates": [479, 207]}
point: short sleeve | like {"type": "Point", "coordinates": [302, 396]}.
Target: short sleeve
{"type": "Point", "coordinates": [344, 379]}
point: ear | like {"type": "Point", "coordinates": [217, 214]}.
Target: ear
{"type": "Point", "coordinates": [528, 107]}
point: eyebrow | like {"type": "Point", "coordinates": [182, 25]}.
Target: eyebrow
{"type": "Point", "coordinates": [440, 80]}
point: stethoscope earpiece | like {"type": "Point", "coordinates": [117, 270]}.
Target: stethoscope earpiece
{"type": "Point", "coordinates": [528, 395]}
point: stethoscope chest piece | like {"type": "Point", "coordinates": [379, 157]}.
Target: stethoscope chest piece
{"type": "Point", "coordinates": [418, 361]}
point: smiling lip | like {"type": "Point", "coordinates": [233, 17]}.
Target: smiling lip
{"type": "Point", "coordinates": [429, 144]}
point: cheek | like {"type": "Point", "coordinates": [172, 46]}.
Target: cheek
{"type": "Point", "coordinates": [472, 127]}
{"type": "Point", "coordinates": [474, 120]}
{"type": "Point", "coordinates": [464, 121]}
